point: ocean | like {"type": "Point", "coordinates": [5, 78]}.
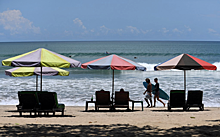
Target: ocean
{"type": "Point", "coordinates": [81, 84]}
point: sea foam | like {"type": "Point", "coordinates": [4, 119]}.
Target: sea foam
{"type": "Point", "coordinates": [75, 91]}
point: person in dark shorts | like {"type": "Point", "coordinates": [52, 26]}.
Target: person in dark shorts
{"type": "Point", "coordinates": [157, 93]}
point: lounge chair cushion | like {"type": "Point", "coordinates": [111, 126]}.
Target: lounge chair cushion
{"type": "Point", "coordinates": [60, 106]}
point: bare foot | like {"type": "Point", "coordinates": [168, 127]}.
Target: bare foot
{"type": "Point", "coordinates": [164, 104]}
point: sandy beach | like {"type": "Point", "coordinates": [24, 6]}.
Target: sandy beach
{"type": "Point", "coordinates": [77, 122]}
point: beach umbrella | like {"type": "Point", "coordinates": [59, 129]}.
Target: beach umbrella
{"type": "Point", "coordinates": [41, 58]}
{"type": "Point", "coordinates": [113, 62]}
{"type": "Point", "coordinates": [30, 71]}
{"type": "Point", "coordinates": [185, 62]}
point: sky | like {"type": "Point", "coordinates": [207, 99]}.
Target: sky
{"type": "Point", "coordinates": [109, 20]}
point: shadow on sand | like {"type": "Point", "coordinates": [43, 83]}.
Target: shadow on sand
{"type": "Point", "coordinates": [27, 115]}
{"type": "Point", "coordinates": [117, 110]}
{"type": "Point", "coordinates": [38, 116]}
{"type": "Point", "coordinates": [117, 130]}
{"type": "Point", "coordinates": [179, 110]}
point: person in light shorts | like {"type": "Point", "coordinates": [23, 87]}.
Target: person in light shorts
{"type": "Point", "coordinates": [148, 96]}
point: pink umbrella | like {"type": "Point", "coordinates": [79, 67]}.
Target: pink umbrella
{"type": "Point", "coordinates": [113, 62]}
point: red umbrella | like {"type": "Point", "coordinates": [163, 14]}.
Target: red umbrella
{"type": "Point", "coordinates": [185, 62]}
{"type": "Point", "coordinates": [113, 62]}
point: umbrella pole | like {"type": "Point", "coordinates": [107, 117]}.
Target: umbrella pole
{"type": "Point", "coordinates": [185, 80]}
{"type": "Point", "coordinates": [41, 78]}
{"type": "Point", "coordinates": [36, 82]}
{"type": "Point", "coordinates": [112, 84]}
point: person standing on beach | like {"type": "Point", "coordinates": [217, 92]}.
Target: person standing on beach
{"type": "Point", "coordinates": [157, 93]}
{"type": "Point", "coordinates": [148, 91]}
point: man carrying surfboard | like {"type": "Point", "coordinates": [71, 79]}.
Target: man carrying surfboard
{"type": "Point", "coordinates": [148, 91]}
{"type": "Point", "coordinates": [157, 93]}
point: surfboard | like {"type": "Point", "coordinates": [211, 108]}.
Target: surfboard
{"type": "Point", "coordinates": [162, 95]}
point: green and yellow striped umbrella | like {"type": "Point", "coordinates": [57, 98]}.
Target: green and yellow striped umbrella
{"type": "Point", "coordinates": [30, 71]}
{"type": "Point", "coordinates": [41, 58]}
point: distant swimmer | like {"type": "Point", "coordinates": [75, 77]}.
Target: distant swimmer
{"type": "Point", "coordinates": [71, 56]}
{"type": "Point", "coordinates": [107, 52]}
{"type": "Point", "coordinates": [135, 57]}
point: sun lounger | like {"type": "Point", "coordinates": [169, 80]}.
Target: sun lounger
{"type": "Point", "coordinates": [102, 99]}
{"type": "Point", "coordinates": [194, 99]}
{"type": "Point", "coordinates": [177, 99]}
{"type": "Point", "coordinates": [48, 103]}
{"type": "Point", "coordinates": [121, 99]}
{"type": "Point", "coordinates": [38, 102]}
{"type": "Point", "coordinates": [28, 102]}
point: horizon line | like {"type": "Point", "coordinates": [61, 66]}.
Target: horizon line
{"type": "Point", "coordinates": [113, 41]}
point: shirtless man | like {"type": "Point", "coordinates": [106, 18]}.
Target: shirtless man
{"type": "Point", "coordinates": [148, 91]}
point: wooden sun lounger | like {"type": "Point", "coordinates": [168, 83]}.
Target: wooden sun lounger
{"type": "Point", "coordinates": [121, 99]}
{"type": "Point", "coordinates": [102, 100]}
